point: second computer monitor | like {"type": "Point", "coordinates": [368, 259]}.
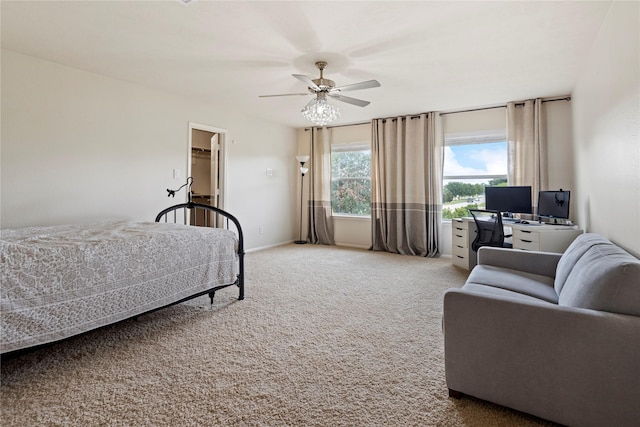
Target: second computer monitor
{"type": "Point", "coordinates": [508, 199]}
{"type": "Point", "coordinates": [554, 204]}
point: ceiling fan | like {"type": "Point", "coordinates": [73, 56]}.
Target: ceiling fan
{"type": "Point", "coordinates": [318, 110]}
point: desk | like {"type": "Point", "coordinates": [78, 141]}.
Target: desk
{"type": "Point", "coordinates": [528, 237]}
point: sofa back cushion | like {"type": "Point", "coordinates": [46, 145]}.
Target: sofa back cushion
{"type": "Point", "coordinates": [604, 278]}
{"type": "Point", "coordinates": [572, 255]}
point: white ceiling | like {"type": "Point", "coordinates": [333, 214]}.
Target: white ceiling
{"type": "Point", "coordinates": [427, 55]}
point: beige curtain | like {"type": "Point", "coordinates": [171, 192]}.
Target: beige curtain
{"type": "Point", "coordinates": [320, 219]}
{"type": "Point", "coordinates": [527, 145]}
{"type": "Point", "coordinates": [406, 184]}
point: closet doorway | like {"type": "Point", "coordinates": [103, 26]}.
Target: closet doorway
{"type": "Point", "coordinates": [207, 165]}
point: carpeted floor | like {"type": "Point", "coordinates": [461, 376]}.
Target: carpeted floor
{"type": "Point", "coordinates": [326, 337]}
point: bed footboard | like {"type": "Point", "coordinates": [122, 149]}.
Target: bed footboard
{"type": "Point", "coordinates": [200, 215]}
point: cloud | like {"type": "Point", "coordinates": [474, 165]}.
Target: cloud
{"type": "Point", "coordinates": [453, 167]}
{"type": "Point", "coordinates": [493, 161]}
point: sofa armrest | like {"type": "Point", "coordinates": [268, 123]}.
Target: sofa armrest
{"type": "Point", "coordinates": [543, 263]}
{"type": "Point", "coordinates": [569, 365]}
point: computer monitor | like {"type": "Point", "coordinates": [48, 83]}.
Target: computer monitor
{"type": "Point", "coordinates": [508, 199]}
{"type": "Point", "coordinates": [554, 204]}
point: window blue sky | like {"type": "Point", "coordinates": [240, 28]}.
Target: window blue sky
{"type": "Point", "coordinates": [476, 159]}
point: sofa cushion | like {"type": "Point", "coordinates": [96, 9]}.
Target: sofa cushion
{"type": "Point", "coordinates": [605, 278]}
{"type": "Point", "coordinates": [572, 255]}
{"type": "Point", "coordinates": [499, 292]}
{"type": "Point", "coordinates": [534, 285]}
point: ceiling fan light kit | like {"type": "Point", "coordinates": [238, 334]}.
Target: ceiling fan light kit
{"type": "Point", "coordinates": [318, 110]}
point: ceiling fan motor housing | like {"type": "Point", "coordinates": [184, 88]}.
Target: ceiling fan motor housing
{"type": "Point", "coordinates": [324, 84]}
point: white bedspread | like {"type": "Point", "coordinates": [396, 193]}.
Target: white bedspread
{"type": "Point", "coordinates": [64, 280]}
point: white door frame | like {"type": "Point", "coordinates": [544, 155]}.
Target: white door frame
{"type": "Point", "coordinates": [223, 156]}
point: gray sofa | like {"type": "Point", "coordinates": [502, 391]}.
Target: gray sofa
{"type": "Point", "coordinates": [553, 335]}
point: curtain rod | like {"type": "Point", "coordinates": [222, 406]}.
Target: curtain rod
{"type": "Point", "coordinates": [564, 98]}
{"type": "Point", "coordinates": [393, 119]}
{"type": "Point", "coordinates": [367, 123]}
{"type": "Point", "coordinates": [339, 126]}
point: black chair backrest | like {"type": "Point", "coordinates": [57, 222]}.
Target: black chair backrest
{"type": "Point", "coordinates": [489, 228]}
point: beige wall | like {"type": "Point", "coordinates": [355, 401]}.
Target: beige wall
{"type": "Point", "coordinates": [80, 147]}
{"type": "Point", "coordinates": [560, 149]}
{"type": "Point", "coordinates": [606, 115]}
{"type": "Point", "coordinates": [473, 121]}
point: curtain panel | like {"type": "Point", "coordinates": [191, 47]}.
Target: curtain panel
{"type": "Point", "coordinates": [320, 218]}
{"type": "Point", "coordinates": [527, 146]}
{"type": "Point", "coordinates": [406, 184]}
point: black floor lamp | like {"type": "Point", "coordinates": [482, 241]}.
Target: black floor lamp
{"type": "Point", "coordinates": [303, 170]}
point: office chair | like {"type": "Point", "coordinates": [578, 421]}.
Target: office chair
{"type": "Point", "coordinates": [490, 231]}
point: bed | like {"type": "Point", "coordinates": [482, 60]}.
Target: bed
{"type": "Point", "coordinates": [62, 281]}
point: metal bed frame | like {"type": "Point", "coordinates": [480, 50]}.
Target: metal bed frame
{"type": "Point", "coordinates": [213, 217]}
{"type": "Point", "coordinates": [192, 214]}
{"type": "Point", "coordinates": [199, 215]}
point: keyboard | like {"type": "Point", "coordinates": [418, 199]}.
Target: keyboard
{"type": "Point", "coordinates": [511, 221]}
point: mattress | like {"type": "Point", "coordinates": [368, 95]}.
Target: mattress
{"type": "Point", "coordinates": [60, 281]}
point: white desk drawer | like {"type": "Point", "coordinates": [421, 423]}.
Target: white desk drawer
{"type": "Point", "coordinates": [462, 234]}
{"type": "Point", "coordinates": [461, 260]}
{"type": "Point", "coordinates": [460, 251]}
{"type": "Point", "coordinates": [526, 235]}
{"type": "Point", "coordinates": [459, 224]}
{"type": "Point", "coordinates": [527, 245]}
{"type": "Point", "coordinates": [544, 238]}
{"type": "Point", "coordinates": [459, 238]}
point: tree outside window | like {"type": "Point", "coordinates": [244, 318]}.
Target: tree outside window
{"type": "Point", "coordinates": [351, 180]}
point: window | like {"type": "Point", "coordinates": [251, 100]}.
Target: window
{"type": "Point", "coordinates": [351, 179]}
{"type": "Point", "coordinates": [471, 162]}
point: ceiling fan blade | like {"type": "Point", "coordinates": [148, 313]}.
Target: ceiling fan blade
{"type": "Point", "coordinates": [348, 100]}
{"type": "Point", "coordinates": [357, 86]}
{"type": "Point", "coordinates": [310, 103]}
{"type": "Point", "coordinates": [283, 94]}
{"type": "Point", "coordinates": [306, 80]}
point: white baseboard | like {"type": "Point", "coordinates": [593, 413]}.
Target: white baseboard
{"type": "Point", "coordinates": [261, 248]}
{"type": "Point", "coordinates": [350, 245]}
